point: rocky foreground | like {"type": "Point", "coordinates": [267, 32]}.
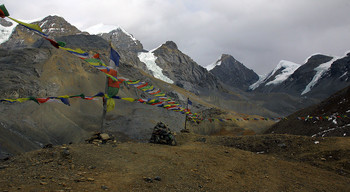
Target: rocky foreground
{"type": "Point", "coordinates": [197, 163]}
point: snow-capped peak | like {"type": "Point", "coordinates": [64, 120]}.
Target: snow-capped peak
{"type": "Point", "coordinates": [102, 28]}
{"type": "Point", "coordinates": [213, 65]}
{"type": "Point", "coordinates": [287, 69]}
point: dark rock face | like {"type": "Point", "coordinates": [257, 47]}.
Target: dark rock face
{"type": "Point", "coordinates": [234, 73]}
{"type": "Point", "coordinates": [185, 72]}
{"type": "Point", "coordinates": [122, 40]}
{"type": "Point", "coordinates": [18, 68]}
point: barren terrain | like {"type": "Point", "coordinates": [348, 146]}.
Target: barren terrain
{"type": "Point", "coordinates": [198, 163]}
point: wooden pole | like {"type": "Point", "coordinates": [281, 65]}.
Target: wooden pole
{"type": "Point", "coordinates": [186, 114]}
{"type": "Point", "coordinates": [104, 107]}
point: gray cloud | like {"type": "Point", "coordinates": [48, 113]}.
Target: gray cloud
{"type": "Point", "coordinates": [259, 33]}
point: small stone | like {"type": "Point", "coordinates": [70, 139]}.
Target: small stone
{"type": "Point", "coordinates": [104, 187]}
{"type": "Point", "coordinates": [104, 136]}
{"type": "Point", "coordinates": [148, 180]}
{"type": "Point", "coordinates": [90, 179]}
{"type": "Point", "coordinates": [323, 159]}
{"type": "Point", "coordinates": [157, 178]}
{"type": "Point", "coordinates": [43, 183]}
{"type": "Point", "coordinates": [66, 152]}
{"type": "Point", "coordinates": [92, 167]}
{"type": "Point", "coordinates": [48, 146]}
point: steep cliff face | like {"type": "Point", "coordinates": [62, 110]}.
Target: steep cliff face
{"type": "Point", "coordinates": [185, 72]}
{"type": "Point", "coordinates": [233, 73]}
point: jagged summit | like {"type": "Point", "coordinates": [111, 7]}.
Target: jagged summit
{"type": "Point", "coordinates": [56, 26]}
{"type": "Point", "coordinates": [170, 45]}
{"type": "Point", "coordinates": [123, 40]}
{"type": "Point", "coordinates": [233, 73]}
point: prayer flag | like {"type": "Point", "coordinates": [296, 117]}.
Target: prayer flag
{"type": "Point", "coordinates": [114, 58]}
{"type": "Point", "coordinates": [3, 11]}
{"type": "Point", "coordinates": [32, 27]}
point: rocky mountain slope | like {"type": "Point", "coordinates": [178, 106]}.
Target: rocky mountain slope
{"type": "Point", "coordinates": [121, 39]}
{"type": "Point", "coordinates": [233, 73]}
{"type": "Point", "coordinates": [331, 117]}
{"type": "Point", "coordinates": [185, 72]}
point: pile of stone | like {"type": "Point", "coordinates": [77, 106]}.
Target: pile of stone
{"type": "Point", "coordinates": [101, 138]}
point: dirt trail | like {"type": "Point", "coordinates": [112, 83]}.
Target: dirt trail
{"type": "Point", "coordinates": [198, 163]}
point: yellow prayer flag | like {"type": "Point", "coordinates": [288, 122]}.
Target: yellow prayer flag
{"type": "Point", "coordinates": [110, 104]}
{"type": "Point", "coordinates": [129, 99]}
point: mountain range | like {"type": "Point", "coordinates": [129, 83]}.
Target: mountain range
{"type": "Point", "coordinates": [30, 66]}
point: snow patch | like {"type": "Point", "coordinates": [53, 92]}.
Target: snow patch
{"type": "Point", "coordinates": [343, 75]}
{"type": "Point", "coordinates": [288, 70]}
{"type": "Point", "coordinates": [6, 31]}
{"type": "Point", "coordinates": [262, 79]}
{"type": "Point", "coordinates": [213, 65]}
{"type": "Point", "coordinates": [320, 70]}
{"type": "Point", "coordinates": [149, 59]}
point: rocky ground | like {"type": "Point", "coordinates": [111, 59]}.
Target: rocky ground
{"type": "Point", "coordinates": [198, 163]}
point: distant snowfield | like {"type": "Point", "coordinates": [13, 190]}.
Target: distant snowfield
{"type": "Point", "coordinates": [149, 59]}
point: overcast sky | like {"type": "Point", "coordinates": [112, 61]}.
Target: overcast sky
{"type": "Point", "coordinates": [258, 33]}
